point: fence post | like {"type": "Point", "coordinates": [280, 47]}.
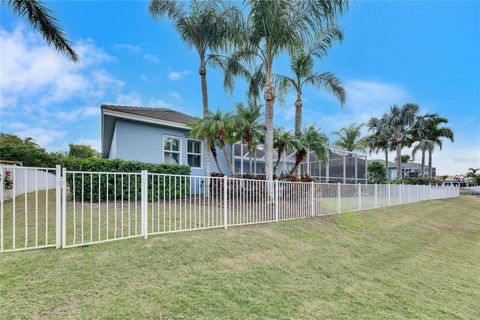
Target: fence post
{"type": "Point", "coordinates": [359, 191]}
{"type": "Point", "coordinates": [388, 194]}
{"type": "Point", "coordinates": [418, 193]}
{"type": "Point", "coordinates": [144, 200]}
{"type": "Point", "coordinates": [401, 187]}
{"type": "Point", "coordinates": [276, 200]}
{"type": "Point", "coordinates": [339, 207]}
{"type": "Point", "coordinates": [64, 208]}
{"type": "Point", "coordinates": [312, 193]}
{"type": "Point", "coordinates": [225, 191]}
{"type": "Point", "coordinates": [58, 206]}
{"type": "Point", "coordinates": [375, 197]}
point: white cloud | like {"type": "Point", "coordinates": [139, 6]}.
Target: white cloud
{"type": "Point", "coordinates": [129, 99]}
{"type": "Point", "coordinates": [178, 75]}
{"type": "Point", "coordinates": [175, 95]}
{"type": "Point", "coordinates": [151, 57]}
{"type": "Point", "coordinates": [35, 75]}
{"type": "Point", "coordinates": [128, 47]}
{"type": "Point", "coordinates": [94, 143]}
{"type": "Point", "coordinates": [42, 136]}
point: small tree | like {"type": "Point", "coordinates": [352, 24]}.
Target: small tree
{"type": "Point", "coordinates": [82, 151]}
{"type": "Point", "coordinates": [377, 172]}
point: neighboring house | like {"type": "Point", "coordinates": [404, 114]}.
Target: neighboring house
{"type": "Point", "coordinates": [409, 169]}
{"type": "Point", "coordinates": [160, 135]}
{"type": "Point", "coordinates": [457, 181]}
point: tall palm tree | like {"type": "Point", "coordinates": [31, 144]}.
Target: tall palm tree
{"type": "Point", "coordinates": [349, 138]}
{"type": "Point", "coordinates": [284, 141]}
{"type": "Point", "coordinates": [422, 145]}
{"type": "Point", "coordinates": [311, 139]}
{"type": "Point", "coordinates": [404, 123]}
{"type": "Point", "coordinates": [435, 133]}
{"type": "Point", "coordinates": [42, 20]}
{"type": "Point", "coordinates": [302, 66]}
{"type": "Point", "coordinates": [379, 139]}
{"type": "Point", "coordinates": [248, 127]}
{"type": "Point", "coordinates": [276, 27]}
{"type": "Point", "coordinates": [207, 27]}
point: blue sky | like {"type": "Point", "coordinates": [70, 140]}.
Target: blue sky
{"type": "Point", "coordinates": [394, 52]}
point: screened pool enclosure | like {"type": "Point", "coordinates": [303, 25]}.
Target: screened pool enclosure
{"type": "Point", "coordinates": [341, 166]}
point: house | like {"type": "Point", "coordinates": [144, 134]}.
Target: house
{"type": "Point", "coordinates": [161, 135]}
{"type": "Point", "coordinates": [409, 170]}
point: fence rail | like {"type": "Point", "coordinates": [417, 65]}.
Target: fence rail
{"type": "Point", "coordinates": [79, 208]}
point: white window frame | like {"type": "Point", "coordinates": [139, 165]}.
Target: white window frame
{"type": "Point", "coordinates": [196, 154]}
{"type": "Point", "coordinates": [180, 158]}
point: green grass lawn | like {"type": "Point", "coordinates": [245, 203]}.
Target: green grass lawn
{"type": "Point", "coordinates": [412, 261]}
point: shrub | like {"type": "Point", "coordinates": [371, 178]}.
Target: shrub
{"type": "Point", "coordinates": [377, 173]}
{"type": "Point", "coordinates": [421, 181]}
{"type": "Point", "coordinates": [82, 151]}
{"type": "Point", "coordinates": [95, 185]}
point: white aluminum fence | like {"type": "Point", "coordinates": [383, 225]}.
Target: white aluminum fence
{"type": "Point", "coordinates": [92, 207]}
{"type": "Point", "coordinates": [29, 208]}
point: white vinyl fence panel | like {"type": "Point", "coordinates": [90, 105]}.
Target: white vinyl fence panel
{"type": "Point", "coordinates": [83, 207]}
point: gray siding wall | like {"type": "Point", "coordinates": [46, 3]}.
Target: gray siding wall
{"type": "Point", "coordinates": [140, 141]}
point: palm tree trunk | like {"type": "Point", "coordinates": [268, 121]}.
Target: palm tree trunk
{"type": "Point", "coordinates": [423, 163]}
{"type": "Point", "coordinates": [430, 171]}
{"type": "Point", "coordinates": [213, 150]}
{"type": "Point", "coordinates": [227, 157]}
{"type": "Point", "coordinates": [298, 159]}
{"type": "Point", "coordinates": [279, 156]}
{"type": "Point", "coordinates": [386, 163]}
{"type": "Point", "coordinates": [399, 160]}
{"type": "Point", "coordinates": [203, 79]}
{"type": "Point", "coordinates": [269, 104]}
{"type": "Point", "coordinates": [298, 113]}
{"type": "Point", "coordinates": [250, 157]}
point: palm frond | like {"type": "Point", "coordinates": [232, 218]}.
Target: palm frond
{"type": "Point", "coordinates": [41, 19]}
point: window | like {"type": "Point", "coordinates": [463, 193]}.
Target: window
{"type": "Point", "coordinates": [171, 150]}
{"type": "Point", "coordinates": [194, 153]}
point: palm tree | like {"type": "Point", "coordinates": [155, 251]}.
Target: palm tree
{"type": "Point", "coordinates": [302, 64]}
{"type": "Point", "coordinates": [435, 133]}
{"type": "Point", "coordinates": [349, 138]}
{"type": "Point", "coordinates": [311, 139]}
{"type": "Point", "coordinates": [41, 19]}
{"type": "Point", "coordinates": [379, 140]}
{"type": "Point", "coordinates": [205, 26]}
{"type": "Point", "coordinates": [204, 128]}
{"type": "Point", "coordinates": [404, 123]}
{"type": "Point", "coordinates": [283, 141]}
{"type": "Point", "coordinates": [276, 27]}
{"type": "Point", "coordinates": [248, 127]}
{"type": "Point", "coordinates": [218, 128]}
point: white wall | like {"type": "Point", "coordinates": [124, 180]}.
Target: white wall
{"type": "Point", "coordinates": [27, 180]}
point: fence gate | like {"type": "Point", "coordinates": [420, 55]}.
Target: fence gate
{"type": "Point", "coordinates": [30, 207]}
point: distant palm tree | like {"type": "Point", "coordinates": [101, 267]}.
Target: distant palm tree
{"type": "Point", "coordinates": [276, 27]}
{"type": "Point", "coordinates": [284, 141]}
{"type": "Point", "coordinates": [302, 66]}
{"type": "Point", "coordinates": [41, 19]}
{"type": "Point", "coordinates": [311, 139]}
{"type": "Point", "coordinates": [248, 128]}
{"type": "Point", "coordinates": [435, 133]}
{"type": "Point", "coordinates": [349, 138]}
{"type": "Point", "coordinates": [379, 139]}
{"type": "Point", "coordinates": [207, 27]}
{"type": "Point", "coordinates": [404, 123]}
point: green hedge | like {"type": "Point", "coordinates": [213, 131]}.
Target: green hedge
{"type": "Point", "coordinates": [420, 181]}
{"type": "Point", "coordinates": [95, 185]}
